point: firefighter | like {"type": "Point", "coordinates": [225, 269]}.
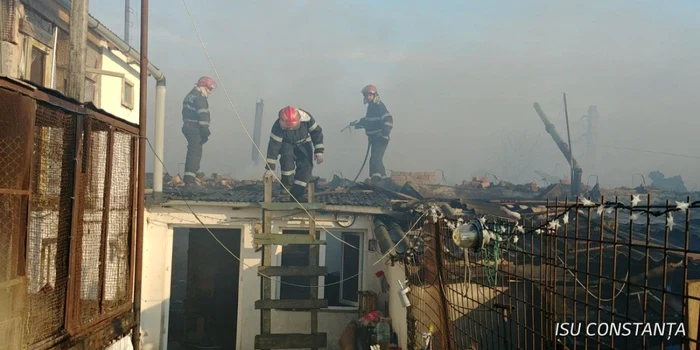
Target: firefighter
{"type": "Point", "coordinates": [298, 139]}
{"type": "Point", "coordinates": [377, 123]}
{"type": "Point", "coordinates": [195, 127]}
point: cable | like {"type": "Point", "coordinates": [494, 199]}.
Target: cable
{"type": "Point", "coordinates": [647, 151]}
{"type": "Point", "coordinates": [197, 217]}
{"type": "Point", "coordinates": [233, 106]}
{"type": "Point", "coordinates": [591, 293]}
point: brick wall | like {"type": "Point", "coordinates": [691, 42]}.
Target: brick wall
{"type": "Point", "coordinates": [401, 177]}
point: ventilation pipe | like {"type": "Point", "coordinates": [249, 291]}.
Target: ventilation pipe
{"type": "Point", "coordinates": [159, 130]}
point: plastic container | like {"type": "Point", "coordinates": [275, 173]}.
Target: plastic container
{"type": "Point", "coordinates": [383, 331]}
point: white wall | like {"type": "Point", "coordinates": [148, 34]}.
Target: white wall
{"type": "Point", "coordinates": [158, 237]}
{"type": "Point", "coordinates": [111, 86]}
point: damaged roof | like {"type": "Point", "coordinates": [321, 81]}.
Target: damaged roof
{"type": "Point", "coordinates": [336, 192]}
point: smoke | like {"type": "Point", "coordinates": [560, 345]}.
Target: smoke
{"type": "Point", "coordinates": [459, 79]}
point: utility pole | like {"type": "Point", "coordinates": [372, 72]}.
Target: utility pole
{"type": "Point", "coordinates": [127, 20]}
{"type": "Point", "coordinates": [78, 49]}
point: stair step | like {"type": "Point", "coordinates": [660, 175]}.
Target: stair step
{"type": "Point", "coordinates": [280, 239]}
{"type": "Point", "coordinates": [300, 304]}
{"type": "Point", "coordinates": [285, 271]}
{"type": "Point", "coordinates": [290, 341]}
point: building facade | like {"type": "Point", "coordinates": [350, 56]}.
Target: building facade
{"type": "Point", "coordinates": [35, 45]}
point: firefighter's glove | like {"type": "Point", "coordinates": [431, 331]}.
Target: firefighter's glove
{"type": "Point", "coordinates": [205, 139]}
{"type": "Point", "coordinates": [381, 279]}
{"type": "Point", "coordinates": [319, 158]}
{"type": "Point", "coordinates": [268, 173]}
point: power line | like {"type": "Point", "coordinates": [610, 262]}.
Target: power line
{"type": "Point", "coordinates": [647, 151]}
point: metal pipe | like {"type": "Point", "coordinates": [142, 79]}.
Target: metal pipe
{"type": "Point", "coordinates": [159, 137]}
{"type": "Point", "coordinates": [53, 58]}
{"type": "Point", "coordinates": [95, 25]}
{"type": "Point", "coordinates": [143, 118]}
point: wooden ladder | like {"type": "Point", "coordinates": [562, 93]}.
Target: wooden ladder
{"type": "Point", "coordinates": [266, 339]}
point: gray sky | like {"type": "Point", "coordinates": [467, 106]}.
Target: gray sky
{"type": "Point", "coordinates": [459, 79]}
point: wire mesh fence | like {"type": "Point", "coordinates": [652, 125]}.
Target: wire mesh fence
{"type": "Point", "coordinates": [120, 220]}
{"type": "Point", "coordinates": [67, 192]}
{"type": "Point", "coordinates": [106, 211]}
{"type": "Point", "coordinates": [8, 17]}
{"type": "Point", "coordinates": [601, 276]}
{"type": "Point", "coordinates": [48, 240]}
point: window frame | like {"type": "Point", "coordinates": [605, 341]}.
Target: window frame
{"type": "Point", "coordinates": [32, 43]}
{"type": "Point", "coordinates": [320, 280]}
{"type": "Point", "coordinates": [360, 265]}
{"type": "Point", "coordinates": [125, 103]}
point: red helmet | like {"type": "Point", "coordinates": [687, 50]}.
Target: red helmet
{"type": "Point", "coordinates": [369, 89]}
{"type": "Point", "coordinates": [207, 83]}
{"type": "Point", "coordinates": [289, 118]}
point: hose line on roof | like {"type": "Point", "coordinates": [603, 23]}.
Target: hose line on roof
{"type": "Point", "coordinates": [369, 145]}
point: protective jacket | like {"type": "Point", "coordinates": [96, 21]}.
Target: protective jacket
{"type": "Point", "coordinates": [309, 132]}
{"type": "Point", "coordinates": [378, 122]}
{"type": "Point", "coordinates": [195, 127]}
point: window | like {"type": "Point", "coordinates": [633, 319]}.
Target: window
{"type": "Point", "coordinates": [296, 255]}
{"type": "Point", "coordinates": [37, 69]}
{"type": "Point", "coordinates": [127, 94]}
{"type": "Point", "coordinates": [89, 90]}
{"type": "Point", "coordinates": [343, 266]}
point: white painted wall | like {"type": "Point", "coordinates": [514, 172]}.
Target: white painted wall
{"type": "Point", "coordinates": [158, 238]}
{"type": "Point", "coordinates": [111, 87]}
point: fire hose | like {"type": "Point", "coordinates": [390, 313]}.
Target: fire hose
{"type": "Point", "coordinates": [369, 145]}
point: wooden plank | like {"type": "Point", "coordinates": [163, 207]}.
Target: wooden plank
{"type": "Point", "coordinates": [285, 271]}
{"type": "Point", "coordinates": [302, 304]}
{"type": "Point", "coordinates": [292, 206]}
{"type": "Point", "coordinates": [290, 341]}
{"type": "Point", "coordinates": [313, 261]}
{"type": "Point", "coordinates": [279, 239]}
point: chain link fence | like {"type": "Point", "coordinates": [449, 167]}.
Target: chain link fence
{"type": "Point", "coordinates": [627, 275]}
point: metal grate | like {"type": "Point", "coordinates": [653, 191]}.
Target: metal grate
{"type": "Point", "coordinates": [89, 228]}
{"type": "Point", "coordinates": [49, 221]}
{"type": "Point", "coordinates": [8, 18]}
{"type": "Point", "coordinates": [90, 90]}
{"type": "Point", "coordinates": [120, 221]}
{"type": "Point", "coordinates": [597, 266]}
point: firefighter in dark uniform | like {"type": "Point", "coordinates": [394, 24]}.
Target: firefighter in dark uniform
{"type": "Point", "coordinates": [196, 119]}
{"type": "Point", "coordinates": [298, 139]}
{"type": "Point", "coordinates": [377, 123]}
